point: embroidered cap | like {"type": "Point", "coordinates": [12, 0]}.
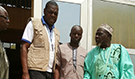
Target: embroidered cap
{"type": "Point", "coordinates": [107, 28]}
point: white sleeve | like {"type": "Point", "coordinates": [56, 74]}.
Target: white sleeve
{"type": "Point", "coordinates": [28, 33]}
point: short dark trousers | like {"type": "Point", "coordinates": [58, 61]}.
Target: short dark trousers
{"type": "Point", "coordinates": [40, 75]}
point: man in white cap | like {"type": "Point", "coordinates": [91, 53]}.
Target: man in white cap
{"type": "Point", "coordinates": [106, 60]}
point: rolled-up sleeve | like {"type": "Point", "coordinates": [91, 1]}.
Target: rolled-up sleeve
{"type": "Point", "coordinates": [28, 33]}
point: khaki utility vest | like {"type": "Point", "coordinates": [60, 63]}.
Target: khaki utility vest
{"type": "Point", "coordinates": [39, 50]}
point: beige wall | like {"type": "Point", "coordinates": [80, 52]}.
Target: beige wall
{"type": "Point", "coordinates": [121, 17]}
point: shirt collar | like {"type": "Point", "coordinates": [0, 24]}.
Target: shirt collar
{"type": "Point", "coordinates": [44, 23]}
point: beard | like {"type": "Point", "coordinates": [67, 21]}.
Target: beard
{"type": "Point", "coordinates": [98, 44]}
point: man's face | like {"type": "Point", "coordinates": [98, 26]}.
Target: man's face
{"type": "Point", "coordinates": [76, 35]}
{"type": "Point", "coordinates": [4, 22]}
{"type": "Point", "coordinates": [101, 36]}
{"type": "Point", "coordinates": [51, 13]}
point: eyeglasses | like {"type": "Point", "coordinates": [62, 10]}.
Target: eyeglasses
{"type": "Point", "coordinates": [7, 18]}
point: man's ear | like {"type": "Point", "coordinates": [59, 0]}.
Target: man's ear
{"type": "Point", "coordinates": [70, 34]}
{"type": "Point", "coordinates": [44, 11]}
{"type": "Point", "coordinates": [109, 36]}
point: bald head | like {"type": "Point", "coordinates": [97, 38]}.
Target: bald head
{"type": "Point", "coordinates": [4, 20]}
{"type": "Point", "coordinates": [77, 27]}
{"type": "Point", "coordinates": [76, 35]}
{"type": "Point", "coordinates": [2, 10]}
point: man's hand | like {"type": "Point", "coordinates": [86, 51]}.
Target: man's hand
{"type": "Point", "coordinates": [57, 72]}
{"type": "Point", "coordinates": [25, 76]}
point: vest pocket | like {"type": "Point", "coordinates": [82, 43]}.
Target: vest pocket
{"type": "Point", "coordinates": [38, 38]}
{"type": "Point", "coordinates": [36, 58]}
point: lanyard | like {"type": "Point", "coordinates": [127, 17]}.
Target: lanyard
{"type": "Point", "coordinates": [50, 32]}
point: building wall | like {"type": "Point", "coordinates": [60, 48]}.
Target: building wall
{"type": "Point", "coordinates": [18, 17]}
{"type": "Point", "coordinates": [120, 16]}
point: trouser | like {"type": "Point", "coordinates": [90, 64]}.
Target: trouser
{"type": "Point", "coordinates": [40, 75]}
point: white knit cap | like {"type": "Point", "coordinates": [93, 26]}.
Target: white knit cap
{"type": "Point", "coordinates": [107, 28]}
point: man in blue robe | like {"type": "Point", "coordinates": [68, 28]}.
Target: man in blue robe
{"type": "Point", "coordinates": [106, 60]}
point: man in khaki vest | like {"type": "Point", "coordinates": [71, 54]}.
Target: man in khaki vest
{"type": "Point", "coordinates": [4, 64]}
{"type": "Point", "coordinates": [39, 45]}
